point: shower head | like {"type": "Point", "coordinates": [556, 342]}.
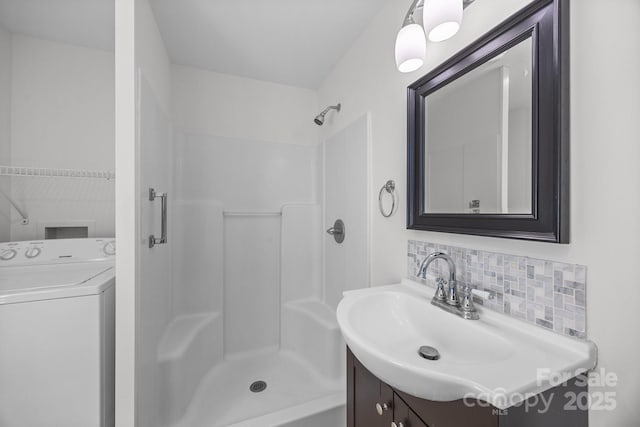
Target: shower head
{"type": "Point", "coordinates": [319, 120]}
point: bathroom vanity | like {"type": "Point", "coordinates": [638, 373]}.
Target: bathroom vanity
{"type": "Point", "coordinates": [373, 403]}
{"type": "Point", "coordinates": [493, 371]}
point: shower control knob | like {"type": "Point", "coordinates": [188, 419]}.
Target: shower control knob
{"type": "Point", "coordinates": [382, 408]}
{"type": "Point", "coordinates": [32, 252]}
{"type": "Point", "coordinates": [109, 248]}
{"type": "Point", "coordinates": [8, 254]}
{"type": "Point", "coordinates": [394, 424]}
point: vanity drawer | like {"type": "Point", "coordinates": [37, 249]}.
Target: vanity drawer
{"type": "Point", "coordinates": [450, 414]}
{"type": "Point", "coordinates": [404, 416]}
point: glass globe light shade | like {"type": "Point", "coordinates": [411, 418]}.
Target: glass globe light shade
{"type": "Point", "coordinates": [442, 18]}
{"type": "Point", "coordinates": [411, 47]}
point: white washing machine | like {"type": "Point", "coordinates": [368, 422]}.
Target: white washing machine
{"type": "Point", "coordinates": [57, 333]}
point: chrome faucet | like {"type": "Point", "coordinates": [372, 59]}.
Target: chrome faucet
{"type": "Point", "coordinates": [448, 300]}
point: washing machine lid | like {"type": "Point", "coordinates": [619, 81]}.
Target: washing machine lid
{"type": "Point", "coordinates": [55, 269]}
{"type": "Point", "coordinates": [36, 283]}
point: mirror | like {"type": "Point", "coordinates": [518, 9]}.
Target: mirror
{"type": "Point", "coordinates": [488, 133]}
{"type": "Point", "coordinates": [478, 138]}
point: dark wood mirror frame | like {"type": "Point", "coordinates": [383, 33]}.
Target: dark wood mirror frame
{"type": "Point", "coordinates": [547, 23]}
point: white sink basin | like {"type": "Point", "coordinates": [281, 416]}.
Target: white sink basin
{"type": "Point", "coordinates": [497, 359]}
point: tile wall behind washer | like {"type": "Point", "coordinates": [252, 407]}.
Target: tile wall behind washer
{"type": "Point", "coordinates": [546, 293]}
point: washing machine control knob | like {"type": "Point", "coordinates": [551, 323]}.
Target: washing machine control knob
{"type": "Point", "coordinates": [8, 254]}
{"type": "Point", "coordinates": [109, 248]}
{"type": "Point", "coordinates": [32, 252]}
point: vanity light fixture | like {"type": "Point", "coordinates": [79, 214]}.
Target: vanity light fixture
{"type": "Point", "coordinates": [441, 20]}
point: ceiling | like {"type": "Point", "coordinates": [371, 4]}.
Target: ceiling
{"type": "Point", "coordinates": [89, 23]}
{"type": "Point", "coordinates": [293, 42]}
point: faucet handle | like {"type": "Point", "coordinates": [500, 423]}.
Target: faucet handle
{"type": "Point", "coordinates": [452, 294]}
{"type": "Point", "coordinates": [468, 308]}
{"type": "Point", "coordinates": [441, 294]}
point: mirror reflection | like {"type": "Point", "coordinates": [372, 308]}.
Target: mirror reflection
{"type": "Point", "coordinates": [478, 139]}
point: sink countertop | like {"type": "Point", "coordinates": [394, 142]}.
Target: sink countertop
{"type": "Point", "coordinates": [497, 359]}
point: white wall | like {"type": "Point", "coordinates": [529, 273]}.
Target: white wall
{"type": "Point", "coordinates": [605, 132]}
{"type": "Point", "coordinates": [151, 54]}
{"type": "Point", "coordinates": [5, 130]}
{"type": "Point", "coordinates": [126, 211]}
{"type": "Point", "coordinates": [62, 105]}
{"type": "Point", "coordinates": [138, 46]}
{"type": "Point", "coordinates": [62, 116]}
{"type": "Point", "coordinates": [228, 106]}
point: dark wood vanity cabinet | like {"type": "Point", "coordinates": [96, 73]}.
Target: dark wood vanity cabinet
{"type": "Point", "coordinates": [370, 392]}
{"type": "Point", "coordinates": [403, 414]}
{"type": "Point", "coordinates": [365, 391]}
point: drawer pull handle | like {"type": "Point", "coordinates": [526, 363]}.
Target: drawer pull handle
{"type": "Point", "coordinates": [397, 424]}
{"type": "Point", "coordinates": [382, 408]}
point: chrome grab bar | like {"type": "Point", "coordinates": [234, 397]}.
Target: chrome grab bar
{"type": "Point", "coordinates": [153, 240]}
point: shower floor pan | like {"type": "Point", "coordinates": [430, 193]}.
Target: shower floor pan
{"type": "Point", "coordinates": [295, 395]}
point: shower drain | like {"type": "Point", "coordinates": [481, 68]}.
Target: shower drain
{"type": "Point", "coordinates": [258, 386]}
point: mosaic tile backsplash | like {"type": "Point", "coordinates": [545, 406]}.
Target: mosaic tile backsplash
{"type": "Point", "coordinates": [546, 293]}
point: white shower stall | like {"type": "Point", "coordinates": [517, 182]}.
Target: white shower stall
{"type": "Point", "coordinates": [235, 313]}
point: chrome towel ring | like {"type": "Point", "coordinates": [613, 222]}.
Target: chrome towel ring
{"type": "Point", "coordinates": [389, 187]}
